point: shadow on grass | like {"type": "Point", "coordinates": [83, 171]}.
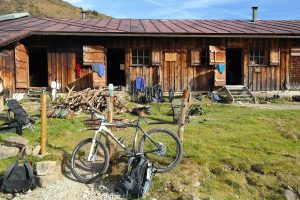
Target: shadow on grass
{"type": "Point", "coordinates": [66, 162]}
{"type": "Point", "coordinates": [158, 120]}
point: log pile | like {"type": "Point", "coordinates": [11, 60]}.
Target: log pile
{"type": "Point", "coordinates": [94, 100]}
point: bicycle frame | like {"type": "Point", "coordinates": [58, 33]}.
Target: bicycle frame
{"type": "Point", "coordinates": [103, 128]}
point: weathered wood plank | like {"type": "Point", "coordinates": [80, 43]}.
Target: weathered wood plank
{"type": "Point", "coordinates": [22, 67]}
{"type": "Point", "coordinates": [254, 79]}
{"type": "Point", "coordinates": [264, 78]}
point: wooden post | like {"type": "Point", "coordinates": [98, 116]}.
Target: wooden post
{"type": "Point", "coordinates": [43, 124]}
{"type": "Point", "coordinates": [1, 97]}
{"type": "Point", "coordinates": [184, 106]}
{"type": "Point", "coordinates": [110, 109]}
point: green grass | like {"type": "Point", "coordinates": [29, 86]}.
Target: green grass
{"type": "Point", "coordinates": [229, 153]}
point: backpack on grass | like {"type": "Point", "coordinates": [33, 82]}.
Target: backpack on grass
{"type": "Point", "coordinates": [137, 178]}
{"type": "Point", "coordinates": [18, 178]}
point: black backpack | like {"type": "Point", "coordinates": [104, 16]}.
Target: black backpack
{"type": "Point", "coordinates": [137, 178]}
{"type": "Point", "coordinates": [18, 178]}
{"type": "Point", "coordinates": [20, 116]}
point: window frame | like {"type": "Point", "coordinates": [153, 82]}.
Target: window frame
{"type": "Point", "coordinates": [203, 58]}
{"type": "Point", "coordinates": [144, 56]}
{"type": "Point", "coordinates": [205, 55]}
{"type": "Point", "coordinates": [260, 57]}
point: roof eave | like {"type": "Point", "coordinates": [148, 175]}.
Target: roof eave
{"type": "Point", "coordinates": [176, 35]}
{"type": "Point", "coordinates": [15, 39]}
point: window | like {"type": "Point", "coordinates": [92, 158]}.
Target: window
{"type": "Point", "coordinates": [257, 57]}
{"type": "Point", "coordinates": [140, 56]}
{"type": "Point", "coordinates": [205, 57]}
{"type": "Point", "coordinates": [199, 57]}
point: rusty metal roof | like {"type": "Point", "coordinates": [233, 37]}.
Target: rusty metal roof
{"type": "Point", "coordinates": [21, 27]}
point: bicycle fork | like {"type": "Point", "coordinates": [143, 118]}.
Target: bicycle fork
{"type": "Point", "coordinates": [93, 149]}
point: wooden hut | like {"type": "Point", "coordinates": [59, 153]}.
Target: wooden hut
{"type": "Point", "coordinates": [263, 55]}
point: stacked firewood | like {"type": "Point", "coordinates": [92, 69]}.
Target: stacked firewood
{"type": "Point", "coordinates": [91, 100]}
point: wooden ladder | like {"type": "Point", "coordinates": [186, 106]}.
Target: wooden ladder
{"type": "Point", "coordinates": [237, 93]}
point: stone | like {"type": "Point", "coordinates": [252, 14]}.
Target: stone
{"type": "Point", "coordinates": [15, 142]}
{"type": "Point", "coordinates": [48, 180]}
{"type": "Point", "coordinates": [44, 168]}
{"type": "Point", "coordinates": [33, 150]}
{"type": "Point", "coordinates": [28, 150]}
{"type": "Point", "coordinates": [197, 184]}
{"type": "Point", "coordinates": [290, 195]}
{"type": "Point", "coordinates": [36, 150]}
{"type": "Point", "coordinates": [8, 152]}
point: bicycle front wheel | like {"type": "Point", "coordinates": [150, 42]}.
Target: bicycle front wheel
{"type": "Point", "coordinates": [89, 161]}
{"type": "Point", "coordinates": [164, 151]}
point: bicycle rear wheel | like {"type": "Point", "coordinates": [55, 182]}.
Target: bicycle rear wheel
{"type": "Point", "coordinates": [168, 153]}
{"type": "Point", "coordinates": [87, 171]}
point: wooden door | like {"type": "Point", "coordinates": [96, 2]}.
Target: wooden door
{"type": "Point", "coordinates": [295, 72]}
{"type": "Point", "coordinates": [169, 71]}
{"type": "Point", "coordinates": [22, 67]}
{"type": "Point", "coordinates": [217, 57]}
{"type": "Point", "coordinates": [96, 55]}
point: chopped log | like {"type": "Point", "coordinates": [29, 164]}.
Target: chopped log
{"type": "Point", "coordinates": [91, 100]}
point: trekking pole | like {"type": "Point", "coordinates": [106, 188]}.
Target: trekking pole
{"type": "Point", "coordinates": [43, 123]}
{"type": "Point", "coordinates": [184, 106]}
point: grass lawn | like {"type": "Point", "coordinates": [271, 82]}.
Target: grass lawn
{"type": "Point", "coordinates": [229, 153]}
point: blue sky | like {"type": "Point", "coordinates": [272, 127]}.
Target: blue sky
{"type": "Point", "coordinates": [193, 9]}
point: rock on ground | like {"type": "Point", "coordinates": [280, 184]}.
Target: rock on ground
{"type": "Point", "coordinates": [290, 195]}
{"type": "Point", "coordinates": [15, 141]}
{"type": "Point", "coordinates": [8, 152]}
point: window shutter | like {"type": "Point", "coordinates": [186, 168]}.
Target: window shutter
{"type": "Point", "coordinates": [22, 66]}
{"type": "Point", "coordinates": [196, 57]}
{"type": "Point", "coordinates": [217, 55]}
{"type": "Point", "coordinates": [97, 55]}
{"type": "Point", "coordinates": [93, 54]}
{"type": "Point", "coordinates": [156, 57]}
{"type": "Point", "coordinates": [274, 56]}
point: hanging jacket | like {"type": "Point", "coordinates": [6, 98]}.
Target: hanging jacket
{"type": "Point", "coordinates": [139, 83]}
{"type": "Point", "coordinates": [221, 68]}
{"type": "Point", "coordinates": [99, 68]}
{"type": "Point", "coordinates": [77, 71]}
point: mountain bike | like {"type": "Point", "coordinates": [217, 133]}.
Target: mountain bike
{"type": "Point", "coordinates": [90, 158]}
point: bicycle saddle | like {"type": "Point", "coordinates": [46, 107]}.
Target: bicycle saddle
{"type": "Point", "coordinates": [142, 109]}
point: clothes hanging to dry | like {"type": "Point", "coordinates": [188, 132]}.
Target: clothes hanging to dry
{"type": "Point", "coordinates": [139, 83]}
{"type": "Point", "coordinates": [77, 71]}
{"type": "Point", "coordinates": [99, 68]}
{"type": "Point", "coordinates": [221, 68]}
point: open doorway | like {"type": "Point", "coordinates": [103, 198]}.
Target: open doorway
{"type": "Point", "coordinates": [38, 67]}
{"type": "Point", "coordinates": [234, 66]}
{"type": "Point", "coordinates": [115, 66]}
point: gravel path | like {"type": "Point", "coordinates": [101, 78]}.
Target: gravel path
{"type": "Point", "coordinates": [69, 189]}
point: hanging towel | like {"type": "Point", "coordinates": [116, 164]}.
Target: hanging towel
{"type": "Point", "coordinates": [139, 83]}
{"type": "Point", "coordinates": [221, 68]}
{"type": "Point", "coordinates": [99, 68]}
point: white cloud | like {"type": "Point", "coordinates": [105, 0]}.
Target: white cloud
{"type": "Point", "coordinates": [192, 8]}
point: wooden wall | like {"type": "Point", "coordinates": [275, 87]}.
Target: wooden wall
{"type": "Point", "coordinates": [266, 77]}
{"type": "Point", "coordinates": [65, 52]}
